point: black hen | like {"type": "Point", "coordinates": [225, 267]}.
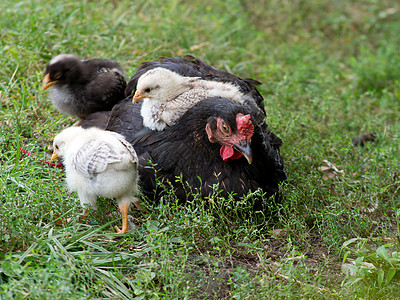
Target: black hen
{"type": "Point", "coordinates": [82, 87]}
{"type": "Point", "coordinates": [204, 148]}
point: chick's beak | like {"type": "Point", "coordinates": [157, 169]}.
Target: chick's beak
{"type": "Point", "coordinates": [54, 156]}
{"type": "Point", "coordinates": [138, 95]}
{"type": "Point", "coordinates": [47, 82]}
{"type": "Point", "coordinates": [244, 148]}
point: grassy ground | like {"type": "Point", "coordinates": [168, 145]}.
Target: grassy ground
{"type": "Point", "coordinates": [330, 72]}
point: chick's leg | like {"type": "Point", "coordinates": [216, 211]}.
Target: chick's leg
{"type": "Point", "coordinates": [124, 208]}
{"type": "Point", "coordinates": [87, 200]}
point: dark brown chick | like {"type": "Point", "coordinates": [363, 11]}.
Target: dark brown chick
{"type": "Point", "coordinates": [81, 87]}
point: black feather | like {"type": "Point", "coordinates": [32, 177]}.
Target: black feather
{"type": "Point", "coordinates": [98, 119]}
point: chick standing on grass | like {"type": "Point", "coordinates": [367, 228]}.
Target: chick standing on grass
{"type": "Point", "coordinates": [99, 163]}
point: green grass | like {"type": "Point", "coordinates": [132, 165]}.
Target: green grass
{"type": "Point", "coordinates": [330, 72]}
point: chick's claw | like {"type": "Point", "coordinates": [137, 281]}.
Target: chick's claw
{"type": "Point", "coordinates": [121, 231]}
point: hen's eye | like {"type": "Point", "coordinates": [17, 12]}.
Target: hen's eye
{"type": "Point", "coordinates": [147, 90]}
{"type": "Point", "coordinates": [56, 147]}
{"type": "Point", "coordinates": [225, 128]}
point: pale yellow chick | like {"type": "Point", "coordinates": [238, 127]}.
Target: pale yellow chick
{"type": "Point", "coordinates": [99, 163]}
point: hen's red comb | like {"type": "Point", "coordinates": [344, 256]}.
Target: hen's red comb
{"type": "Point", "coordinates": [245, 126]}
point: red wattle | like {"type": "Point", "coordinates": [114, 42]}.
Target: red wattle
{"type": "Point", "coordinates": [227, 153]}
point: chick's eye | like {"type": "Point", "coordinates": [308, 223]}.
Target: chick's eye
{"type": "Point", "coordinates": [57, 75]}
{"type": "Point", "coordinates": [147, 90]}
{"type": "Point", "coordinates": [56, 147]}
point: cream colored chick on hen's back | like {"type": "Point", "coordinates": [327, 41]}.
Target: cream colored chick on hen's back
{"type": "Point", "coordinates": [99, 163]}
{"type": "Point", "coordinates": [168, 95]}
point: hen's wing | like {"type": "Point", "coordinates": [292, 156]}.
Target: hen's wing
{"type": "Point", "coordinates": [98, 119]}
{"type": "Point", "coordinates": [126, 120]}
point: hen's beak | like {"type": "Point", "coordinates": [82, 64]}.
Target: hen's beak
{"type": "Point", "coordinates": [138, 95]}
{"type": "Point", "coordinates": [54, 156]}
{"type": "Point", "coordinates": [245, 149]}
{"type": "Point", "coordinates": [47, 82]}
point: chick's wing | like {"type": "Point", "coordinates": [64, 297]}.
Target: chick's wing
{"type": "Point", "coordinates": [94, 157]}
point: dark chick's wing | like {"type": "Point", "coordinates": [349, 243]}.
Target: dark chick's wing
{"type": "Point", "coordinates": [105, 89]}
{"type": "Point", "coordinates": [98, 63]}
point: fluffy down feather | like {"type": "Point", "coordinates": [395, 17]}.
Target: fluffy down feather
{"type": "Point", "coordinates": [99, 163]}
